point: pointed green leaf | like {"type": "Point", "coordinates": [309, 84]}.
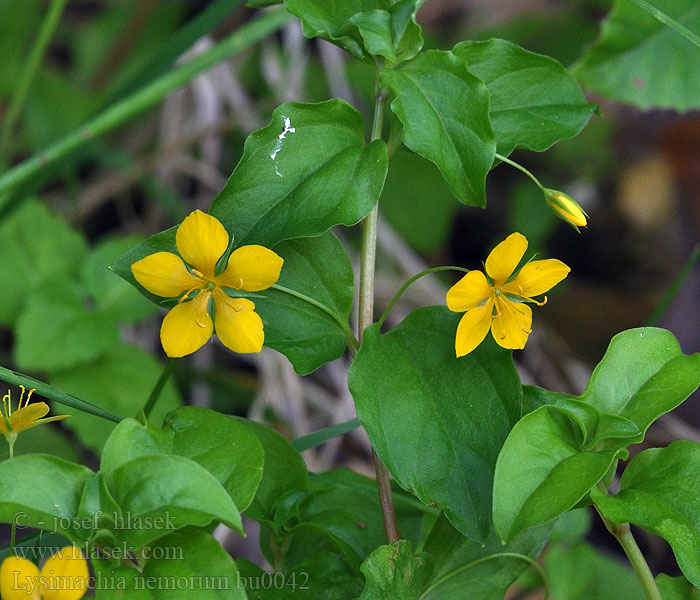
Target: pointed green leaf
{"type": "Point", "coordinates": [465, 569]}
{"type": "Point", "coordinates": [308, 336]}
{"type": "Point", "coordinates": [42, 491]}
{"type": "Point", "coordinates": [182, 494]}
{"type": "Point", "coordinates": [534, 101]}
{"type": "Point", "coordinates": [444, 110]}
{"type": "Point", "coordinates": [641, 61]}
{"type": "Point", "coordinates": [307, 171]}
{"type": "Point", "coordinates": [392, 572]}
{"type": "Point", "coordinates": [657, 376]}
{"type": "Point", "coordinates": [436, 421]}
{"type": "Point", "coordinates": [542, 471]}
{"type": "Point", "coordinates": [660, 492]}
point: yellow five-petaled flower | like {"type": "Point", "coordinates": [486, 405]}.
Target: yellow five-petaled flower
{"type": "Point", "coordinates": [26, 416]}
{"type": "Point", "coordinates": [64, 576]}
{"type": "Point", "coordinates": [499, 301]}
{"type": "Point", "coordinates": [201, 241]}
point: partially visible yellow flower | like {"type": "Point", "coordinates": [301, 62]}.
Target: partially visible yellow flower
{"type": "Point", "coordinates": [64, 576]}
{"type": "Point", "coordinates": [566, 208]}
{"type": "Point", "coordinates": [201, 241]}
{"type": "Point", "coordinates": [25, 417]}
{"type": "Point", "coordinates": [498, 302]}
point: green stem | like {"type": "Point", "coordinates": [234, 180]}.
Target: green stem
{"type": "Point", "coordinates": [484, 559]}
{"type": "Point", "coordinates": [668, 21]}
{"type": "Point", "coordinates": [48, 26]}
{"type": "Point", "coordinates": [672, 292]}
{"type": "Point", "coordinates": [158, 388]}
{"type": "Point", "coordinates": [353, 344]}
{"type": "Point", "coordinates": [404, 287]}
{"type": "Point", "coordinates": [56, 394]}
{"type": "Point", "coordinates": [145, 98]}
{"type": "Point", "coordinates": [623, 534]}
{"type": "Point", "coordinates": [512, 163]}
{"type": "Point", "coordinates": [366, 315]}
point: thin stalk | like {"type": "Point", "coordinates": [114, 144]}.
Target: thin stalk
{"type": "Point", "coordinates": [623, 534]}
{"type": "Point", "coordinates": [352, 342]}
{"type": "Point", "coordinates": [512, 163]}
{"type": "Point", "coordinates": [144, 99]}
{"type": "Point", "coordinates": [36, 56]}
{"type": "Point", "coordinates": [56, 394]}
{"type": "Point", "coordinates": [404, 287]}
{"type": "Point", "coordinates": [672, 292]}
{"type": "Point", "coordinates": [158, 388]}
{"type": "Point", "coordinates": [366, 316]}
{"type": "Point", "coordinates": [670, 22]}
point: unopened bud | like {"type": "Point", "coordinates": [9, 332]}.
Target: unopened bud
{"type": "Point", "coordinates": [566, 208]}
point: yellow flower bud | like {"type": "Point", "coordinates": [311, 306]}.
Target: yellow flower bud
{"type": "Point", "coordinates": [566, 208]}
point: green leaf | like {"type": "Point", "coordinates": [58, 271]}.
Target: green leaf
{"type": "Point", "coordinates": [223, 446]}
{"type": "Point", "coordinates": [676, 588]}
{"type": "Point", "coordinates": [119, 381]}
{"type": "Point", "coordinates": [658, 376]}
{"type": "Point", "coordinates": [534, 101]}
{"type": "Point", "coordinates": [341, 513]}
{"type": "Point", "coordinates": [437, 422]}
{"type": "Point", "coordinates": [193, 566]}
{"type": "Point", "coordinates": [42, 491]}
{"type": "Point", "coordinates": [641, 61]}
{"type": "Point", "coordinates": [322, 576]}
{"type": "Point", "coordinates": [316, 267]}
{"type": "Point", "coordinates": [466, 569]}
{"type": "Point", "coordinates": [56, 330]}
{"type": "Point", "coordinates": [284, 471]}
{"type": "Point", "coordinates": [365, 28]}
{"type": "Point", "coordinates": [309, 337]}
{"type": "Point", "coordinates": [392, 572]}
{"type": "Point", "coordinates": [444, 110]}
{"type": "Point", "coordinates": [38, 247]}
{"type": "Point", "coordinates": [660, 492]}
{"type": "Point", "coordinates": [304, 173]}
{"type": "Point", "coordinates": [113, 297]}
{"type": "Point", "coordinates": [158, 494]}
{"type": "Point", "coordinates": [555, 454]}
{"type": "Point", "coordinates": [43, 440]}
{"type": "Point", "coordinates": [582, 573]}
{"type": "Point", "coordinates": [542, 471]}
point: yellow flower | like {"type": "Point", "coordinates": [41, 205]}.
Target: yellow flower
{"type": "Point", "coordinates": [566, 208]}
{"type": "Point", "coordinates": [201, 241]}
{"type": "Point", "coordinates": [498, 302]}
{"type": "Point", "coordinates": [25, 417]}
{"type": "Point", "coordinates": [64, 576]}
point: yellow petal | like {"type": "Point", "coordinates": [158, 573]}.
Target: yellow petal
{"type": "Point", "coordinates": [164, 274]}
{"type": "Point", "coordinates": [512, 324]}
{"type": "Point", "coordinates": [505, 257]}
{"type": "Point", "coordinates": [251, 268]}
{"type": "Point", "coordinates": [26, 416]}
{"type": "Point", "coordinates": [537, 277]}
{"type": "Point", "coordinates": [187, 327]}
{"type": "Point", "coordinates": [473, 327]}
{"type": "Point", "coordinates": [238, 326]}
{"type": "Point", "coordinates": [18, 577]}
{"type": "Point", "coordinates": [65, 575]}
{"type": "Point", "coordinates": [468, 292]}
{"type": "Point", "coordinates": [201, 240]}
